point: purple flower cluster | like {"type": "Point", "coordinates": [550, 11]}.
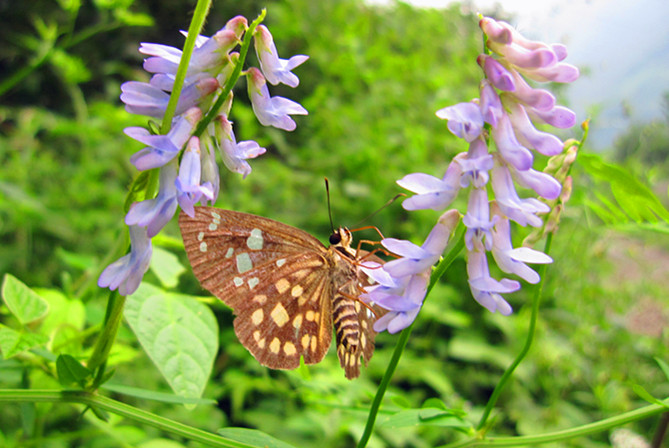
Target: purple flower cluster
{"type": "Point", "coordinates": [196, 177]}
{"type": "Point", "coordinates": [505, 113]}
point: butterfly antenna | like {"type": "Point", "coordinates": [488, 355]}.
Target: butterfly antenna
{"type": "Point", "coordinates": [327, 191]}
{"type": "Point", "coordinates": [397, 196]}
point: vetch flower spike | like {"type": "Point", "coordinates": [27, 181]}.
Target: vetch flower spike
{"type": "Point", "coordinates": [125, 274]}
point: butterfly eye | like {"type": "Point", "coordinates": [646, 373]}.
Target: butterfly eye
{"type": "Point", "coordinates": [335, 238]}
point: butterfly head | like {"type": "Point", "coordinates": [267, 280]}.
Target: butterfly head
{"type": "Point", "coordinates": [341, 240]}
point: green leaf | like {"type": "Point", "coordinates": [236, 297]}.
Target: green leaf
{"type": "Point", "coordinates": [633, 197]}
{"type": "Point", "coordinates": [13, 342]}
{"type": "Point", "coordinates": [643, 393]}
{"type": "Point", "coordinates": [154, 395]}
{"type": "Point", "coordinates": [423, 416]}
{"type": "Point", "coordinates": [22, 301]}
{"type": "Point", "coordinates": [167, 267]}
{"type": "Point", "coordinates": [663, 365]}
{"type": "Point", "coordinates": [179, 334]}
{"type": "Point", "coordinates": [253, 437]}
{"type": "Point", "coordinates": [70, 371]}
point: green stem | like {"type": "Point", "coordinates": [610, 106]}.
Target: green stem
{"type": "Point", "coordinates": [196, 24]}
{"type": "Point", "coordinates": [528, 342]}
{"type": "Point", "coordinates": [234, 77]}
{"type": "Point", "coordinates": [457, 243]}
{"type": "Point", "coordinates": [118, 408]}
{"type": "Point", "coordinates": [566, 434]}
{"type": "Point", "coordinates": [107, 336]}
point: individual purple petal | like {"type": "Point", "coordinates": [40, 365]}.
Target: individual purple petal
{"type": "Point", "coordinates": [432, 192]}
{"type": "Point", "coordinates": [561, 72]}
{"type": "Point", "coordinates": [126, 273]}
{"type": "Point", "coordinates": [490, 104]}
{"type": "Point", "coordinates": [543, 184]}
{"type": "Point", "coordinates": [537, 98]}
{"type": "Point", "coordinates": [522, 211]}
{"type": "Point", "coordinates": [404, 308]}
{"type": "Point", "coordinates": [496, 31]}
{"type": "Point", "coordinates": [271, 111]}
{"type": "Point", "coordinates": [475, 165]}
{"type": "Point", "coordinates": [486, 290]}
{"type": "Point", "coordinates": [496, 73]}
{"type": "Point", "coordinates": [512, 261]}
{"type": "Point", "coordinates": [162, 148]}
{"type": "Point", "coordinates": [477, 220]}
{"type": "Point", "coordinates": [210, 172]}
{"type": "Point", "coordinates": [155, 213]}
{"type": "Point", "coordinates": [509, 147]}
{"type": "Point", "coordinates": [545, 143]}
{"type": "Point", "coordinates": [403, 248]}
{"type": "Point", "coordinates": [189, 188]}
{"type": "Point", "coordinates": [559, 116]}
{"type": "Point", "coordinates": [464, 120]}
{"type": "Point", "coordinates": [233, 153]}
{"type": "Point", "coordinates": [275, 69]}
{"type": "Point", "coordinates": [145, 99]}
{"type": "Point", "coordinates": [560, 51]}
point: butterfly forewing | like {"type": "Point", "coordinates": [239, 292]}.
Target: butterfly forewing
{"type": "Point", "coordinates": [274, 276]}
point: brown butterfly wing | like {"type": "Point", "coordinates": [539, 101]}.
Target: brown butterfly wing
{"type": "Point", "coordinates": [274, 276]}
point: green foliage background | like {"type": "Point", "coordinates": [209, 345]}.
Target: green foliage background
{"type": "Point", "coordinates": [374, 79]}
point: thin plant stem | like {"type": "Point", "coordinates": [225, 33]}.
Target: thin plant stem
{"type": "Point", "coordinates": [93, 400]}
{"type": "Point", "coordinates": [536, 299]}
{"type": "Point", "coordinates": [113, 318]}
{"type": "Point", "coordinates": [452, 252]}
{"type": "Point", "coordinates": [566, 434]}
{"type": "Point", "coordinates": [196, 24]}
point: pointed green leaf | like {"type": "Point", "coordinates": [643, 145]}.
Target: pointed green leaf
{"type": "Point", "coordinates": [179, 334]}
{"type": "Point", "coordinates": [13, 342]}
{"type": "Point", "coordinates": [423, 416]}
{"type": "Point", "coordinates": [70, 371]}
{"type": "Point", "coordinates": [167, 267]}
{"type": "Point", "coordinates": [643, 393]}
{"type": "Point", "coordinates": [22, 301]}
{"type": "Point", "coordinates": [663, 365]}
{"type": "Point", "coordinates": [253, 437]}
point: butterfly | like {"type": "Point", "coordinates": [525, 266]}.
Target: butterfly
{"type": "Point", "coordinates": [286, 289]}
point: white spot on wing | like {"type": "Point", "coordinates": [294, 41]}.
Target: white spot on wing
{"type": "Point", "coordinates": [203, 246]}
{"type": "Point", "coordinates": [253, 282]}
{"type": "Point", "coordinates": [280, 262]}
{"type": "Point", "coordinates": [238, 281]}
{"type": "Point", "coordinates": [243, 262]}
{"type": "Point", "coordinates": [213, 226]}
{"type": "Point", "coordinates": [200, 236]}
{"type": "Point", "coordinates": [229, 253]}
{"type": "Point", "coordinates": [255, 240]}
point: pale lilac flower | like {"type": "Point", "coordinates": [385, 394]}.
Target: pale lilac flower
{"type": "Point", "coordinates": [484, 288]}
{"type": "Point", "coordinates": [432, 192]}
{"type": "Point", "coordinates": [477, 220]}
{"type": "Point", "coordinates": [512, 261]}
{"type": "Point", "coordinates": [210, 171]}
{"type": "Point", "coordinates": [162, 148]}
{"type": "Point", "coordinates": [146, 99]}
{"type": "Point", "coordinates": [496, 73]}
{"type": "Point", "coordinates": [155, 213]}
{"type": "Point", "coordinates": [402, 310]}
{"type": "Point", "coordinates": [271, 111]}
{"type": "Point", "coordinates": [464, 120]}
{"type": "Point", "coordinates": [189, 188]}
{"type": "Point", "coordinates": [126, 273]}
{"type": "Point", "coordinates": [490, 104]}
{"type": "Point", "coordinates": [416, 259]}
{"type": "Point", "coordinates": [543, 142]}
{"type": "Point", "coordinates": [509, 147]}
{"type": "Point", "coordinates": [476, 165]}
{"type": "Point", "coordinates": [275, 69]}
{"type": "Point", "coordinates": [233, 153]}
{"type": "Point", "coordinates": [543, 184]}
{"type": "Point", "coordinates": [559, 116]}
{"type": "Point", "coordinates": [522, 211]}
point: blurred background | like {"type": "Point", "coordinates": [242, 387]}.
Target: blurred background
{"type": "Point", "coordinates": [377, 73]}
